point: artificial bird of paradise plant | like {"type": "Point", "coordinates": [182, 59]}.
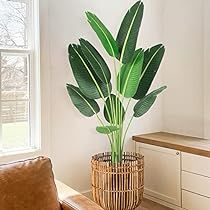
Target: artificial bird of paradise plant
{"type": "Point", "coordinates": [134, 70]}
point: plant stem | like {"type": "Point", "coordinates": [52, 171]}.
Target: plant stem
{"type": "Point", "coordinates": [128, 105]}
{"type": "Point", "coordinates": [126, 131]}
{"type": "Point", "coordinates": [117, 134]}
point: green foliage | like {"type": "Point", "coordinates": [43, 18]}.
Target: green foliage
{"type": "Point", "coordinates": [129, 75]}
{"type": "Point", "coordinates": [106, 129]}
{"type": "Point", "coordinates": [103, 34]}
{"type": "Point", "coordinates": [88, 82]}
{"type": "Point", "coordinates": [152, 61]}
{"type": "Point", "coordinates": [114, 105]}
{"type": "Point", "coordinates": [86, 106]}
{"type": "Point", "coordinates": [129, 30]}
{"type": "Point", "coordinates": [96, 61]}
{"type": "Point", "coordinates": [134, 73]}
{"type": "Point", "coordinates": [144, 104]}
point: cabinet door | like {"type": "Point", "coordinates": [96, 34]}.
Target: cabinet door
{"type": "Point", "coordinates": [162, 173]}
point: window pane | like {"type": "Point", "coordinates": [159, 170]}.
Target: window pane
{"type": "Point", "coordinates": [15, 125]}
{"type": "Point", "coordinates": [14, 77]}
{"type": "Point", "coordinates": [14, 23]}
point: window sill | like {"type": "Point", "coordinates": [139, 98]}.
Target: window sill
{"type": "Point", "coordinates": [8, 156]}
{"type": "Point", "coordinates": [17, 152]}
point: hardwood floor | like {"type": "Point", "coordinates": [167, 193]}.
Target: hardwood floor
{"type": "Point", "coordinates": [150, 205]}
{"type": "Point", "coordinates": [145, 205]}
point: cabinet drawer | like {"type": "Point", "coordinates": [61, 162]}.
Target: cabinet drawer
{"type": "Point", "coordinates": [196, 183]}
{"type": "Point", "coordinates": [196, 164]}
{"type": "Point", "coordinates": [191, 201]}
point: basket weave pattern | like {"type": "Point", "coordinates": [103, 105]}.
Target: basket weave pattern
{"type": "Point", "coordinates": [118, 186]}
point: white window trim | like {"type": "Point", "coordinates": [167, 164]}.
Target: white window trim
{"type": "Point", "coordinates": [35, 92]}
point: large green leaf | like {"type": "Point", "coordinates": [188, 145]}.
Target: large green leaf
{"type": "Point", "coordinates": [89, 83]}
{"type": "Point", "coordinates": [158, 91]}
{"type": "Point", "coordinates": [115, 108]}
{"type": "Point", "coordinates": [144, 104]}
{"type": "Point", "coordinates": [96, 61]}
{"type": "Point", "coordinates": [152, 61]}
{"type": "Point", "coordinates": [106, 129]}
{"type": "Point", "coordinates": [86, 106]}
{"type": "Point", "coordinates": [129, 30]}
{"type": "Point", "coordinates": [103, 34]}
{"type": "Point", "coordinates": [129, 75]}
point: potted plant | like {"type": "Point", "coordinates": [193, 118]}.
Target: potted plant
{"type": "Point", "coordinates": [117, 176]}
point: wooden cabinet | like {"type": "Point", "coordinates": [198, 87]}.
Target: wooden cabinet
{"type": "Point", "coordinates": [177, 170]}
{"type": "Point", "coordinates": [162, 173]}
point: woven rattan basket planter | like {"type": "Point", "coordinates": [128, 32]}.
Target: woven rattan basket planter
{"type": "Point", "coordinates": [118, 186]}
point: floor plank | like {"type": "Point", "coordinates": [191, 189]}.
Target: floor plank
{"type": "Point", "coordinates": [150, 205]}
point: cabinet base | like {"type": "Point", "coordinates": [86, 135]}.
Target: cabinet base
{"type": "Point", "coordinates": [162, 202]}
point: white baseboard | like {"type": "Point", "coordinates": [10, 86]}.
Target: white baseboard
{"type": "Point", "coordinates": [88, 194]}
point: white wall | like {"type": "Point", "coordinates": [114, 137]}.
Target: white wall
{"type": "Point", "coordinates": [183, 103]}
{"type": "Point", "coordinates": [207, 68]}
{"type": "Point", "coordinates": [73, 137]}
{"type": "Point", "coordinates": [186, 67]}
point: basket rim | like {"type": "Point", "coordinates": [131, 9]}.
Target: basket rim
{"type": "Point", "coordinates": [95, 160]}
{"type": "Point", "coordinates": [135, 154]}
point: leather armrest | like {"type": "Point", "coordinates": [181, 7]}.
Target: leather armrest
{"type": "Point", "coordinates": [79, 202]}
{"type": "Point", "coordinates": [72, 200]}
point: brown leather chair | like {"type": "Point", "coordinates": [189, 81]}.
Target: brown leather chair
{"type": "Point", "coordinates": [30, 185]}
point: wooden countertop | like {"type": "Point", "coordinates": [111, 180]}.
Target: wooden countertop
{"type": "Point", "coordinates": [197, 146]}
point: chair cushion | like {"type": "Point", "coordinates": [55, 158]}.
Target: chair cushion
{"type": "Point", "coordinates": [28, 185]}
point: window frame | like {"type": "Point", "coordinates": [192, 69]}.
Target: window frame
{"type": "Point", "coordinates": [33, 53]}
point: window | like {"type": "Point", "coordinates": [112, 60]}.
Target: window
{"type": "Point", "coordinates": [19, 76]}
